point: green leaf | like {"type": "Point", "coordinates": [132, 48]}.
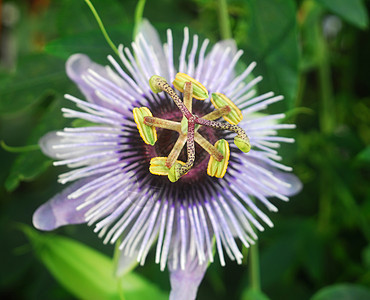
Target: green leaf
{"type": "Point", "coordinates": [250, 294]}
{"type": "Point", "coordinates": [353, 11]}
{"type": "Point", "coordinates": [37, 75]}
{"type": "Point", "coordinates": [311, 36]}
{"type": "Point", "coordinates": [364, 155]}
{"type": "Point", "coordinates": [273, 43]}
{"type": "Point", "coordinates": [343, 292]}
{"type": "Point", "coordinates": [75, 17]}
{"type": "Point", "coordinates": [91, 43]}
{"type": "Point", "coordinates": [30, 164]}
{"type": "Point", "coordinates": [85, 272]}
{"type": "Point", "coordinates": [273, 269]}
{"type": "Point", "coordinates": [366, 256]}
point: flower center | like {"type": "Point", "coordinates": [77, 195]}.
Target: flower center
{"type": "Point", "coordinates": [166, 140]}
{"type": "Point", "coordinates": [187, 125]}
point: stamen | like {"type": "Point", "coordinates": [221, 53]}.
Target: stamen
{"type": "Point", "coordinates": [218, 168]}
{"type": "Point", "coordinates": [220, 100]}
{"type": "Point", "coordinates": [212, 150]}
{"type": "Point", "coordinates": [200, 92]}
{"type": "Point", "coordinates": [147, 133]}
{"type": "Point", "coordinates": [176, 150]}
{"type": "Point", "coordinates": [218, 113]}
{"type": "Point", "coordinates": [158, 166]}
{"type": "Point", "coordinates": [188, 102]}
{"type": "Point", "coordinates": [188, 95]}
{"type": "Point", "coordinates": [177, 170]}
{"type": "Point", "coordinates": [241, 140]}
{"type": "Point", "coordinates": [158, 84]}
{"type": "Point", "coordinates": [162, 123]}
{"type": "Point", "coordinates": [189, 126]}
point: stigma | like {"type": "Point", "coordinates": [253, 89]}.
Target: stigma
{"type": "Point", "coordinates": [188, 128]}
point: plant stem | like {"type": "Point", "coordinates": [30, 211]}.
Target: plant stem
{"type": "Point", "coordinates": [224, 21]}
{"type": "Point", "coordinates": [116, 256]}
{"type": "Point", "coordinates": [19, 149]}
{"type": "Point", "coordinates": [327, 110]}
{"type": "Point", "coordinates": [101, 25]}
{"type": "Point", "coordinates": [254, 268]}
{"type": "Point", "coordinates": [327, 125]}
{"type": "Point", "coordinates": [138, 16]}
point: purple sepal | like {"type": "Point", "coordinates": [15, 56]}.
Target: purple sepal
{"type": "Point", "coordinates": [60, 210]}
{"type": "Point", "coordinates": [185, 283]}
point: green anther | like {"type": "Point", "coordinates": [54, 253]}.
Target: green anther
{"type": "Point", "coordinates": [153, 83]}
{"type": "Point", "coordinates": [174, 173]}
{"type": "Point", "coordinates": [243, 144]}
{"type": "Point", "coordinates": [158, 166]}
{"type": "Point", "coordinates": [216, 168]}
{"type": "Point", "coordinates": [199, 91]}
{"type": "Point", "coordinates": [147, 133]}
{"type": "Point", "coordinates": [235, 115]}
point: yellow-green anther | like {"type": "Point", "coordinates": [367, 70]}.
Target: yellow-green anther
{"type": "Point", "coordinates": [199, 91]}
{"type": "Point", "coordinates": [174, 173]}
{"type": "Point", "coordinates": [242, 143]}
{"type": "Point", "coordinates": [147, 133]}
{"type": "Point", "coordinates": [153, 83]}
{"type": "Point", "coordinates": [158, 166]}
{"type": "Point", "coordinates": [218, 168]}
{"type": "Point", "coordinates": [220, 100]}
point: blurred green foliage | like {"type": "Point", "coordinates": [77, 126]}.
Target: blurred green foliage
{"type": "Point", "coordinates": [314, 52]}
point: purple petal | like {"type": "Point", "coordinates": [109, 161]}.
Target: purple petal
{"type": "Point", "coordinates": [151, 37]}
{"type": "Point", "coordinates": [295, 184]}
{"type": "Point", "coordinates": [216, 62]}
{"type": "Point", "coordinates": [185, 283]}
{"type": "Point", "coordinates": [77, 67]}
{"type": "Point", "coordinates": [60, 210]}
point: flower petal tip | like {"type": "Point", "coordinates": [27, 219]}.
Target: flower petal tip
{"type": "Point", "coordinates": [76, 65]}
{"type": "Point", "coordinates": [47, 142]}
{"type": "Point", "coordinates": [42, 219]}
